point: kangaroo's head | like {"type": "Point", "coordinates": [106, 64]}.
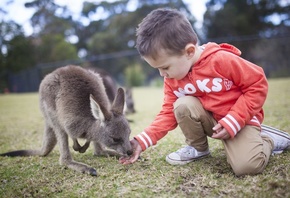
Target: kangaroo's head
{"type": "Point", "coordinates": [113, 137]}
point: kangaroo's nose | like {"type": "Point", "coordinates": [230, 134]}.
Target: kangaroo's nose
{"type": "Point", "coordinates": [129, 152]}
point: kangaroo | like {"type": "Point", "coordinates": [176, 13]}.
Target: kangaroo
{"type": "Point", "coordinates": [74, 104]}
{"type": "Point", "coordinates": [130, 105]}
{"type": "Point", "coordinates": [111, 87]}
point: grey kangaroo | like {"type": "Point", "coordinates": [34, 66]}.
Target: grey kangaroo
{"type": "Point", "coordinates": [111, 88]}
{"type": "Point", "coordinates": [74, 104]}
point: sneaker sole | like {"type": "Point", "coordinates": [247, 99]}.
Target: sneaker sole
{"type": "Point", "coordinates": [175, 162]}
{"type": "Point", "coordinates": [277, 152]}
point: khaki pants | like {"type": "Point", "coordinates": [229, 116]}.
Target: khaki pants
{"type": "Point", "coordinates": [247, 153]}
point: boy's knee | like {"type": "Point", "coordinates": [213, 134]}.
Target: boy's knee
{"type": "Point", "coordinates": [181, 111]}
{"type": "Point", "coordinates": [249, 168]}
{"type": "Point", "coordinates": [186, 100]}
{"type": "Point", "coordinates": [188, 106]}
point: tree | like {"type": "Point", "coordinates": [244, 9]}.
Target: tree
{"type": "Point", "coordinates": [53, 27]}
{"type": "Point", "coordinates": [15, 53]}
{"type": "Point", "coordinates": [52, 48]}
{"type": "Point", "coordinates": [116, 31]}
{"type": "Point", "coordinates": [249, 25]}
{"type": "Point", "coordinates": [50, 18]}
{"type": "Point", "coordinates": [134, 76]}
{"type": "Point", "coordinates": [107, 42]}
{"type": "Point", "coordinates": [19, 54]}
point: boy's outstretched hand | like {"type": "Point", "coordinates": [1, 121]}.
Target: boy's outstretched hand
{"type": "Point", "coordinates": [136, 153]}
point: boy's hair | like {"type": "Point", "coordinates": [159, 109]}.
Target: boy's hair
{"type": "Point", "coordinates": [166, 29]}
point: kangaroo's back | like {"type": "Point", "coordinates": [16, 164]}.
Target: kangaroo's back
{"type": "Point", "coordinates": [68, 89]}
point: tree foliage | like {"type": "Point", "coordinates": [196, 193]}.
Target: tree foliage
{"type": "Point", "coordinates": [104, 34]}
{"type": "Point", "coordinates": [52, 48]}
{"type": "Point", "coordinates": [115, 32]}
{"type": "Point", "coordinates": [50, 18]}
{"type": "Point", "coordinates": [260, 28]}
{"type": "Point", "coordinates": [19, 54]}
{"type": "Point", "coordinates": [135, 76]}
{"type": "Point", "coordinates": [16, 51]}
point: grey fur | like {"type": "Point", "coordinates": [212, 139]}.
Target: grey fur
{"type": "Point", "coordinates": [74, 104]}
{"type": "Point", "coordinates": [111, 87]}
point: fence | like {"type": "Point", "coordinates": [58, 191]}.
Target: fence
{"type": "Point", "coordinates": [29, 80]}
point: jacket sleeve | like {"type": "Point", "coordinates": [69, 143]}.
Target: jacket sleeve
{"type": "Point", "coordinates": [253, 84]}
{"type": "Point", "coordinates": [165, 121]}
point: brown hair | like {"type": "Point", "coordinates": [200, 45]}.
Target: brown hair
{"type": "Point", "coordinates": [166, 29]}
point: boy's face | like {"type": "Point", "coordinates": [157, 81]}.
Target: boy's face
{"type": "Point", "coordinates": [170, 66]}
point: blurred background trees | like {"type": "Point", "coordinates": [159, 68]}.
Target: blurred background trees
{"type": "Point", "coordinates": [260, 28]}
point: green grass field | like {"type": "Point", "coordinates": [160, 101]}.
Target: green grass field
{"type": "Point", "coordinates": [21, 127]}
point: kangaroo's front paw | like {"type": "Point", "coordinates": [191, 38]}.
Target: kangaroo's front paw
{"type": "Point", "coordinates": [84, 147]}
{"type": "Point", "coordinates": [76, 148]}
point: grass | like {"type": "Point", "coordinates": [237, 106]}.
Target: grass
{"type": "Point", "coordinates": [21, 127]}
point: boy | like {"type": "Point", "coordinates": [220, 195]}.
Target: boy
{"type": "Point", "coordinates": [210, 91]}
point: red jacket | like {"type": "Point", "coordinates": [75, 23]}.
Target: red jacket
{"type": "Point", "coordinates": [230, 87]}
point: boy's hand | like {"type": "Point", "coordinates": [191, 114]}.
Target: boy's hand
{"type": "Point", "coordinates": [136, 153]}
{"type": "Point", "coordinates": [220, 132]}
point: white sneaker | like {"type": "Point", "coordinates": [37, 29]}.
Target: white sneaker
{"type": "Point", "coordinates": [281, 139]}
{"type": "Point", "coordinates": [185, 155]}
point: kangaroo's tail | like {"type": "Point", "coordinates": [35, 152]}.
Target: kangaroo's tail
{"type": "Point", "coordinates": [22, 153]}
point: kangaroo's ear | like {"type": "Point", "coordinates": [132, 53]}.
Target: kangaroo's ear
{"type": "Point", "coordinates": [118, 104]}
{"type": "Point", "coordinates": [96, 110]}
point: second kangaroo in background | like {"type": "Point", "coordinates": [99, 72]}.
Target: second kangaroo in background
{"type": "Point", "coordinates": [74, 104]}
{"type": "Point", "coordinates": [111, 87]}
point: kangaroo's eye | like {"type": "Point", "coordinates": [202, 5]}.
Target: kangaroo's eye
{"type": "Point", "coordinates": [117, 140]}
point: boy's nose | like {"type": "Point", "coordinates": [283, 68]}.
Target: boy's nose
{"type": "Point", "coordinates": [161, 73]}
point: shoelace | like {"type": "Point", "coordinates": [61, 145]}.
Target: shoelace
{"type": "Point", "coordinates": [184, 149]}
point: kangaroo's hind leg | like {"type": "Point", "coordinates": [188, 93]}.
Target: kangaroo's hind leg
{"type": "Point", "coordinates": [66, 158]}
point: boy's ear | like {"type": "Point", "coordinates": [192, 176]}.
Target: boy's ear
{"type": "Point", "coordinates": [190, 50]}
